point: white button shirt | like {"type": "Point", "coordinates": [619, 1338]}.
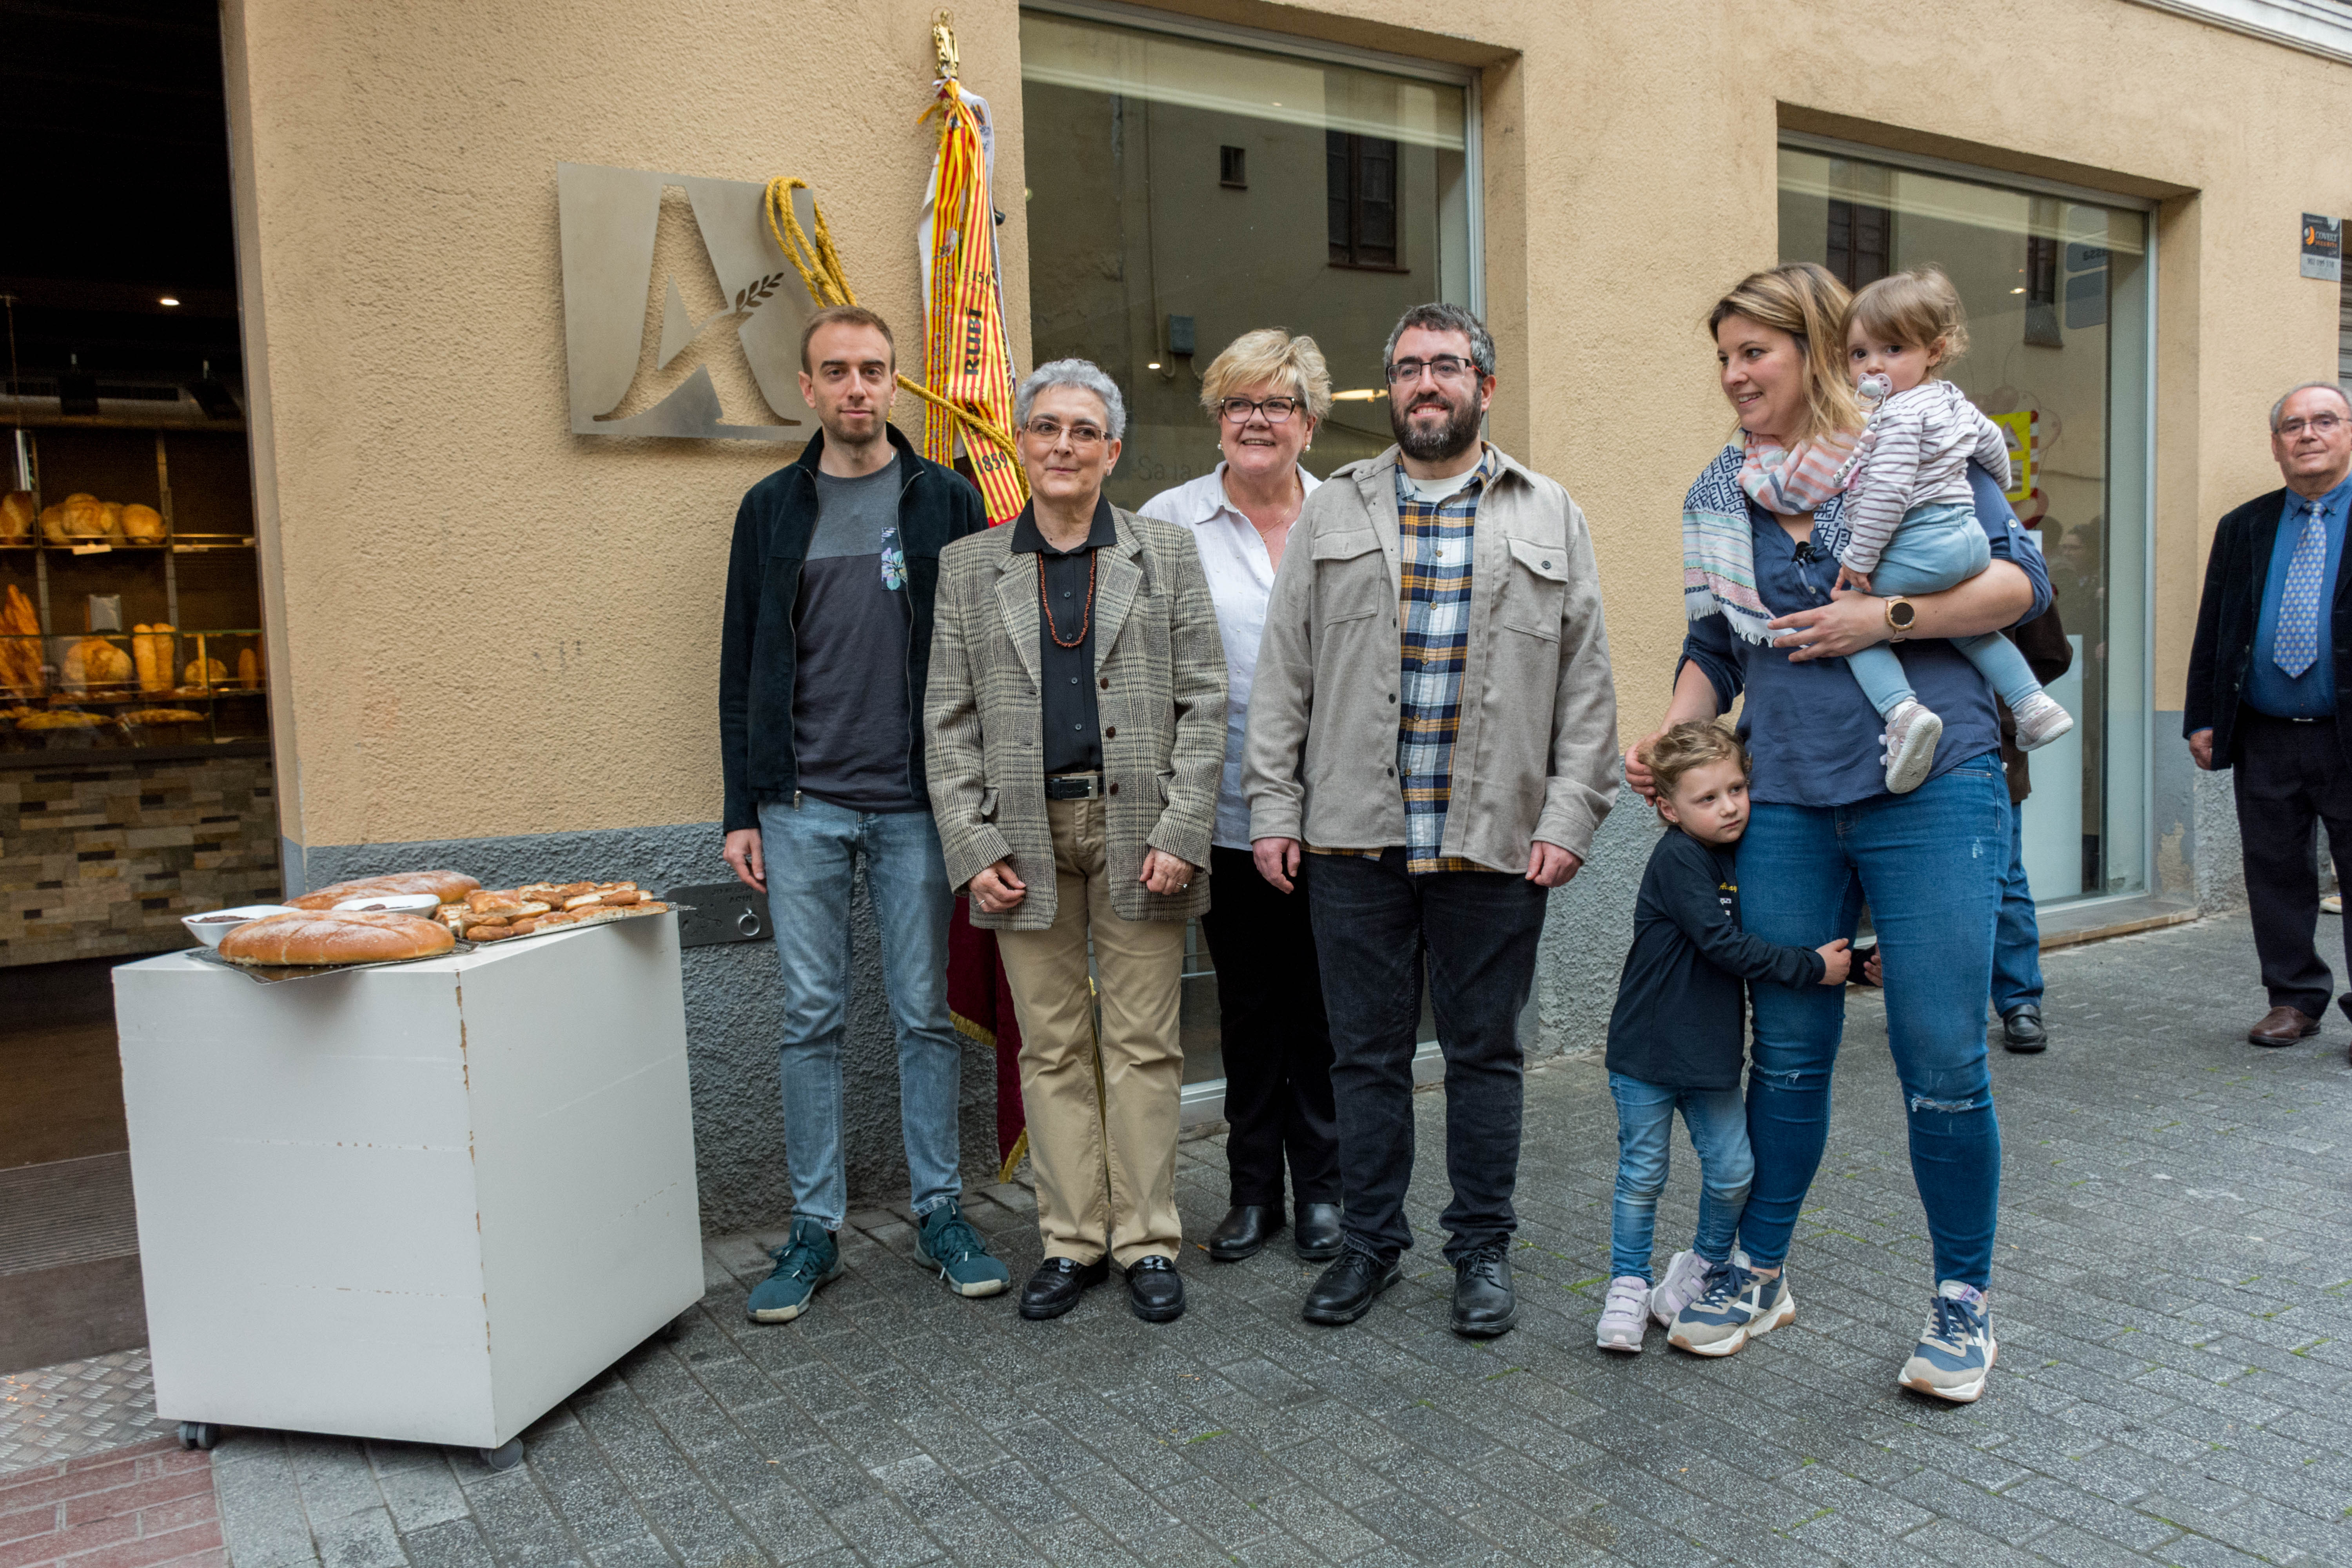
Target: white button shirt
{"type": "Point", "coordinates": [1241, 577]}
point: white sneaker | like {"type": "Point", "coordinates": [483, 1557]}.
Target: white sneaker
{"type": "Point", "coordinates": [1685, 1276]}
{"type": "Point", "coordinates": [1912, 732]}
{"type": "Point", "coordinates": [1955, 1350]}
{"type": "Point", "coordinates": [2039, 721]}
{"type": "Point", "coordinates": [1622, 1314]}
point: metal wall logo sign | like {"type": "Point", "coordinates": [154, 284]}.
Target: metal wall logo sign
{"type": "Point", "coordinates": [609, 219]}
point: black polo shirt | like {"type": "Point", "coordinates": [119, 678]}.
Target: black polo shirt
{"type": "Point", "coordinates": [1072, 733]}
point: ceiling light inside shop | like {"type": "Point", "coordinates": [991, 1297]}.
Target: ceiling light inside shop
{"type": "Point", "coordinates": [167, 299]}
{"type": "Point", "coordinates": [2017, 290]}
{"type": "Point", "coordinates": [1360, 394]}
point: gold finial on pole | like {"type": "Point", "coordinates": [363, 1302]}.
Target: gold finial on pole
{"type": "Point", "coordinates": [943, 44]}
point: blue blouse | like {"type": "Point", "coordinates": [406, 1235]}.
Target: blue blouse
{"type": "Point", "coordinates": [1814, 736]}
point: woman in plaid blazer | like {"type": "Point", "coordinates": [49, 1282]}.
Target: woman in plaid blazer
{"type": "Point", "coordinates": [1075, 720]}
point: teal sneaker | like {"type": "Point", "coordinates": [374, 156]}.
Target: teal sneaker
{"type": "Point", "coordinates": [1955, 1350]}
{"type": "Point", "coordinates": [949, 1240]}
{"type": "Point", "coordinates": [809, 1259]}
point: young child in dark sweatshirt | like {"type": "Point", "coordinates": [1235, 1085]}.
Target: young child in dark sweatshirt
{"type": "Point", "coordinates": [1677, 1040]}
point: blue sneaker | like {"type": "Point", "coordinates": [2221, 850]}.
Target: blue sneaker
{"type": "Point", "coordinates": [1733, 1306]}
{"type": "Point", "coordinates": [809, 1259]}
{"type": "Point", "coordinates": [1956, 1349]}
{"type": "Point", "coordinates": [949, 1240]}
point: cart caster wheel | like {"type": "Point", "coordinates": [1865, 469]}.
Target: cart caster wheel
{"type": "Point", "coordinates": [504, 1457]}
{"type": "Point", "coordinates": [669, 1333]}
{"type": "Point", "coordinates": [199, 1435]}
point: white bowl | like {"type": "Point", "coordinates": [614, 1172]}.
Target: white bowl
{"type": "Point", "coordinates": [210, 925]}
{"type": "Point", "coordinates": [395, 904]}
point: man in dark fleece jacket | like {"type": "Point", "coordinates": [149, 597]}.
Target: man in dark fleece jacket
{"type": "Point", "coordinates": [1677, 1039]}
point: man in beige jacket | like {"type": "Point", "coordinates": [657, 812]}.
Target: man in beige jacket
{"type": "Point", "coordinates": [1433, 723]}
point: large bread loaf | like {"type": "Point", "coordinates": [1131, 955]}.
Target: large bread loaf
{"type": "Point", "coordinates": [335, 936]}
{"type": "Point", "coordinates": [447, 886]}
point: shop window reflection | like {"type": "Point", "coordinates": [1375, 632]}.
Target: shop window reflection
{"type": "Point", "coordinates": [2056, 295]}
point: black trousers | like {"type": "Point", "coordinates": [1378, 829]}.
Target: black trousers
{"type": "Point", "coordinates": [1278, 1042]}
{"type": "Point", "coordinates": [2288, 776]}
{"type": "Point", "coordinates": [1373, 924]}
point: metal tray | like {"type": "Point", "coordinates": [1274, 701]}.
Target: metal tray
{"type": "Point", "coordinates": [278, 973]}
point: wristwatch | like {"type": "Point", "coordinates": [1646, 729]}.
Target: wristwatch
{"type": "Point", "coordinates": [1901, 615]}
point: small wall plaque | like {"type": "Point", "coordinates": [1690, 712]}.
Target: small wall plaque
{"type": "Point", "coordinates": [2323, 247]}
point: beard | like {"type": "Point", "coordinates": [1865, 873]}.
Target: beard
{"type": "Point", "coordinates": [1451, 439]}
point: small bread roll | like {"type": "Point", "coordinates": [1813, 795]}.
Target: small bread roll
{"type": "Point", "coordinates": [141, 524]}
{"type": "Point", "coordinates": [205, 673]}
{"type": "Point", "coordinates": [85, 516]}
{"type": "Point", "coordinates": [53, 523]}
{"type": "Point", "coordinates": [16, 516]}
{"type": "Point", "coordinates": [143, 657]}
{"type": "Point", "coordinates": [112, 512]}
{"type": "Point", "coordinates": [248, 667]}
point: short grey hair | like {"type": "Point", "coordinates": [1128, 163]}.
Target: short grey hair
{"type": "Point", "coordinates": [1441, 317]}
{"type": "Point", "coordinates": [2278, 409]}
{"type": "Point", "coordinates": [1082, 374]}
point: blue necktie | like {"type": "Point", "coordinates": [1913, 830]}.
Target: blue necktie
{"type": "Point", "coordinates": [2297, 642]}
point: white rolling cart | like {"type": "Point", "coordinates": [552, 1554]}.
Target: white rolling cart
{"type": "Point", "coordinates": [423, 1202]}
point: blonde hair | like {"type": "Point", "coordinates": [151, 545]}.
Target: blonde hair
{"type": "Point", "coordinates": [1805, 300]}
{"type": "Point", "coordinates": [1692, 744]}
{"type": "Point", "coordinates": [1269, 354]}
{"type": "Point", "coordinates": [1919, 309]}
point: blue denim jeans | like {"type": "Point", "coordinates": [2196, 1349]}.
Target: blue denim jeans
{"type": "Point", "coordinates": [2017, 939]}
{"type": "Point", "coordinates": [810, 850]}
{"type": "Point", "coordinates": [1717, 1124]}
{"type": "Point", "coordinates": [1938, 547]}
{"type": "Point", "coordinates": [1931, 864]}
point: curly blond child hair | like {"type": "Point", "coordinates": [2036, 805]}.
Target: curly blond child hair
{"type": "Point", "coordinates": [1692, 744]}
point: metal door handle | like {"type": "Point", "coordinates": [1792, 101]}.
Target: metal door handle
{"type": "Point", "coordinates": [748, 922]}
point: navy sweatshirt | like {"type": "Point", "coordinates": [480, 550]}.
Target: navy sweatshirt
{"type": "Point", "coordinates": [1682, 1003]}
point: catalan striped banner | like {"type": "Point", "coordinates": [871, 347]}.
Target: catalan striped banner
{"type": "Point", "coordinates": [967, 358]}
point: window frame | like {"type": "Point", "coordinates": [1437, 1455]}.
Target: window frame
{"type": "Point", "coordinates": [1114, 13]}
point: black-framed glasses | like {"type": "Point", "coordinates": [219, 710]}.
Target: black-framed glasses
{"type": "Point", "coordinates": [1051, 431]}
{"type": "Point", "coordinates": [1277, 410]}
{"type": "Point", "coordinates": [2318, 425]}
{"type": "Point", "coordinates": [1444, 367]}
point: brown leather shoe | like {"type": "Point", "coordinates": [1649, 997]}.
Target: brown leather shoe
{"type": "Point", "coordinates": [2283, 1026]}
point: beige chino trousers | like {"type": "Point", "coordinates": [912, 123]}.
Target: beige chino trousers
{"type": "Point", "coordinates": [1102, 1122]}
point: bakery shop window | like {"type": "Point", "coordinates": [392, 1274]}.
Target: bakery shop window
{"type": "Point", "coordinates": [129, 602]}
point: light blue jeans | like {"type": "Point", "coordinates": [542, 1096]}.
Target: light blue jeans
{"type": "Point", "coordinates": [1717, 1119]}
{"type": "Point", "coordinates": [810, 850]}
{"type": "Point", "coordinates": [2017, 938]}
{"type": "Point", "coordinates": [1935, 548]}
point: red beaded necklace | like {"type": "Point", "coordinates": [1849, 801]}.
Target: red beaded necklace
{"type": "Point", "coordinates": [1046, 604]}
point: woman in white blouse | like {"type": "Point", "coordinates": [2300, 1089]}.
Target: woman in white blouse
{"type": "Point", "coordinates": [1266, 392]}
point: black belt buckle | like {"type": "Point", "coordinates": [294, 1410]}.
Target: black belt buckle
{"type": "Point", "coordinates": [1074, 786]}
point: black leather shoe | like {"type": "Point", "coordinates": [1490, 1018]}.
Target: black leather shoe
{"type": "Point", "coordinates": [1245, 1230]}
{"type": "Point", "coordinates": [1317, 1232]}
{"type": "Point", "coordinates": [1485, 1304]}
{"type": "Point", "coordinates": [1155, 1290]}
{"type": "Point", "coordinates": [2022, 1030]}
{"type": "Point", "coordinates": [1346, 1290]}
{"type": "Point", "coordinates": [1059, 1283]}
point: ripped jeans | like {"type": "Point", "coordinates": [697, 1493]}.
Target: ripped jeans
{"type": "Point", "coordinates": [1931, 863]}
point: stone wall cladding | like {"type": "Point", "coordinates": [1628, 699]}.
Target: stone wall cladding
{"type": "Point", "coordinates": [103, 858]}
{"type": "Point", "coordinates": [734, 1019]}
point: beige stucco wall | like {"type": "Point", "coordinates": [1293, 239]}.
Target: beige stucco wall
{"type": "Point", "coordinates": [487, 625]}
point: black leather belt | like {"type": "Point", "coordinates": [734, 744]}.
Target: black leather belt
{"type": "Point", "coordinates": [1074, 786]}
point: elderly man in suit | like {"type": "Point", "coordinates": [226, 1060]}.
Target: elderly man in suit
{"type": "Point", "coordinates": [1077, 721]}
{"type": "Point", "coordinates": [2268, 674]}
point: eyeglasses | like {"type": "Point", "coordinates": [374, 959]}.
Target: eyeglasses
{"type": "Point", "coordinates": [1444, 367]}
{"type": "Point", "coordinates": [1049, 433]}
{"type": "Point", "coordinates": [2318, 425]}
{"type": "Point", "coordinates": [1277, 410]}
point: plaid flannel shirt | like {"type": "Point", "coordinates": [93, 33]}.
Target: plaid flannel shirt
{"type": "Point", "coordinates": [1434, 544]}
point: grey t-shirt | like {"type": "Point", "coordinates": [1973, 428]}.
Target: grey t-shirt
{"type": "Point", "coordinates": [851, 726]}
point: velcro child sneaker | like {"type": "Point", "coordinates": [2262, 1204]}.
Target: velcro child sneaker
{"type": "Point", "coordinates": [1955, 1350]}
{"type": "Point", "coordinates": [963, 1260]}
{"type": "Point", "coordinates": [1621, 1315]}
{"type": "Point", "coordinates": [1677, 1288]}
{"type": "Point", "coordinates": [808, 1259]}
{"type": "Point", "coordinates": [1736, 1306]}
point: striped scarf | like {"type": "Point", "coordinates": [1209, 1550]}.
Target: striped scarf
{"type": "Point", "coordinates": [1718, 542]}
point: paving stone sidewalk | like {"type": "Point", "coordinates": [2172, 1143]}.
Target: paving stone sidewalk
{"type": "Point", "coordinates": [2170, 1298]}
